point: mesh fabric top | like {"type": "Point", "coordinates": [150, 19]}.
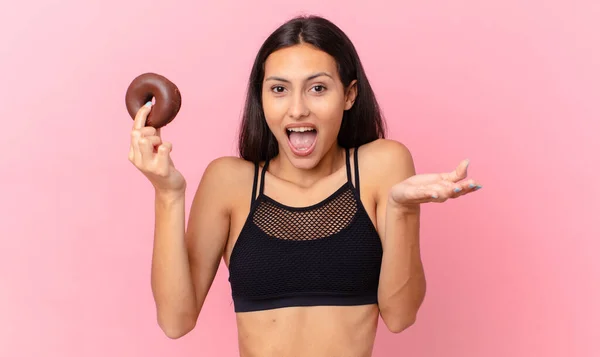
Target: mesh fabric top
{"type": "Point", "coordinates": [324, 254]}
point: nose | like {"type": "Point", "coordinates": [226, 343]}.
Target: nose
{"type": "Point", "coordinates": [298, 107]}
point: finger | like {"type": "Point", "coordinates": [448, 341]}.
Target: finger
{"type": "Point", "coordinates": [148, 131]}
{"type": "Point", "coordinates": [439, 192]}
{"type": "Point", "coordinates": [465, 187]}
{"type": "Point", "coordinates": [163, 157]}
{"type": "Point", "coordinates": [155, 141]}
{"type": "Point", "coordinates": [460, 173]}
{"type": "Point", "coordinates": [164, 151]}
{"type": "Point", "coordinates": [424, 193]}
{"type": "Point", "coordinates": [471, 185]}
{"type": "Point", "coordinates": [137, 155]}
{"type": "Point", "coordinates": [146, 151]}
{"type": "Point", "coordinates": [131, 153]}
{"type": "Point", "coordinates": [141, 115]}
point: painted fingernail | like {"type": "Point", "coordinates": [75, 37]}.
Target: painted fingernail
{"type": "Point", "coordinates": [471, 185]}
{"type": "Point", "coordinates": [149, 104]}
{"type": "Point", "coordinates": [434, 196]}
{"type": "Point", "coordinates": [458, 189]}
{"type": "Point", "coordinates": [478, 187]}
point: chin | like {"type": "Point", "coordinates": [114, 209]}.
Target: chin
{"type": "Point", "coordinates": [304, 162]}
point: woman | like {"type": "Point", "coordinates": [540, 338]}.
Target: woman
{"type": "Point", "coordinates": [317, 221]}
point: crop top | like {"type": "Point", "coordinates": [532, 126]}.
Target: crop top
{"type": "Point", "coordinates": [327, 254]}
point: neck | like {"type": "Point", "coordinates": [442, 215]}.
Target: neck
{"type": "Point", "coordinates": [331, 162]}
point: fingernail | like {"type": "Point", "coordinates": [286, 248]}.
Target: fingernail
{"type": "Point", "coordinates": [471, 185]}
{"type": "Point", "coordinates": [478, 187]}
{"type": "Point", "coordinates": [468, 162]}
{"type": "Point", "coordinates": [149, 104]}
{"type": "Point", "coordinates": [458, 189]}
{"type": "Point", "coordinates": [434, 196]}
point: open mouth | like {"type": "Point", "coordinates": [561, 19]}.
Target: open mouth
{"type": "Point", "coordinates": [302, 139]}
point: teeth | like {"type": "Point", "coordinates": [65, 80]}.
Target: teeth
{"type": "Point", "coordinates": [301, 129]}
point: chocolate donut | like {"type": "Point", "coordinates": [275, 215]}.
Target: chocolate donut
{"type": "Point", "coordinates": [166, 94]}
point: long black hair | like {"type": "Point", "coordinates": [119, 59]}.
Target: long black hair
{"type": "Point", "coordinates": [361, 124]}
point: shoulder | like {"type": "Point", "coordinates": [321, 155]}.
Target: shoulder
{"type": "Point", "coordinates": [226, 178]}
{"type": "Point", "coordinates": [386, 148]}
{"type": "Point", "coordinates": [227, 168]}
{"type": "Point", "coordinates": [387, 157]}
{"type": "Point", "coordinates": [383, 163]}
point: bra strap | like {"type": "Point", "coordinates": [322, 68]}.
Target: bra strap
{"type": "Point", "coordinates": [262, 177]}
{"type": "Point", "coordinates": [254, 183]}
{"type": "Point", "coordinates": [356, 176]}
{"type": "Point", "coordinates": [348, 173]}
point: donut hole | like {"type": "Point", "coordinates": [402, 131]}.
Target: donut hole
{"type": "Point", "coordinates": [149, 98]}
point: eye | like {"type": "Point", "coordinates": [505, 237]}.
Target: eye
{"type": "Point", "coordinates": [319, 88]}
{"type": "Point", "coordinates": [277, 89]}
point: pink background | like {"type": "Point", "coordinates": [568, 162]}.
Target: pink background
{"type": "Point", "coordinates": [512, 85]}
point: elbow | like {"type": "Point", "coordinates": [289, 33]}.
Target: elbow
{"type": "Point", "coordinates": [398, 318]}
{"type": "Point", "coordinates": [176, 328]}
{"type": "Point", "coordinates": [398, 324]}
{"type": "Point", "coordinates": [400, 312]}
{"type": "Point", "coordinates": [175, 332]}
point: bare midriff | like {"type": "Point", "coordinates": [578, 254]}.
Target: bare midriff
{"type": "Point", "coordinates": [319, 331]}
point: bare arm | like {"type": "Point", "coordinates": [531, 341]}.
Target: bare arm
{"type": "Point", "coordinates": [184, 264]}
{"type": "Point", "coordinates": [171, 280]}
{"type": "Point", "coordinates": [208, 226]}
{"type": "Point", "coordinates": [402, 280]}
{"type": "Point", "coordinates": [400, 194]}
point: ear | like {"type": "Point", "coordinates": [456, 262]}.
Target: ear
{"type": "Point", "coordinates": [351, 94]}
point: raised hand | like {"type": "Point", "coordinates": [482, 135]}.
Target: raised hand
{"type": "Point", "coordinates": [151, 155]}
{"type": "Point", "coordinates": [437, 187]}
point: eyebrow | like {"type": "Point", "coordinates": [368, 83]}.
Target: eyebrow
{"type": "Point", "coordinates": [313, 76]}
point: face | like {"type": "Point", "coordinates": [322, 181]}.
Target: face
{"type": "Point", "coordinates": [304, 101]}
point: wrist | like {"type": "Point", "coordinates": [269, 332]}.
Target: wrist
{"type": "Point", "coordinates": [400, 209]}
{"type": "Point", "coordinates": [169, 196]}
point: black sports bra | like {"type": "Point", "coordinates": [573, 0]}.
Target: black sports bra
{"type": "Point", "coordinates": [328, 253]}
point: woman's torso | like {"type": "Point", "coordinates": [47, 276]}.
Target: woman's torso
{"type": "Point", "coordinates": [318, 331]}
{"type": "Point", "coordinates": [307, 330]}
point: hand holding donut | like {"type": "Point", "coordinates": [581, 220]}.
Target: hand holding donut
{"type": "Point", "coordinates": [152, 156]}
{"type": "Point", "coordinates": [147, 151]}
